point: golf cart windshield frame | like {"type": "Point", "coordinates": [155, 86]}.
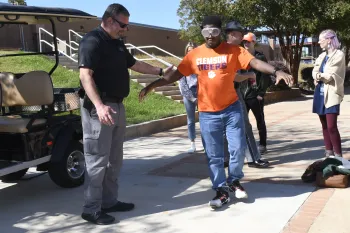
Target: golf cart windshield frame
{"type": "Point", "coordinates": [55, 52]}
{"type": "Point", "coordinates": [12, 15]}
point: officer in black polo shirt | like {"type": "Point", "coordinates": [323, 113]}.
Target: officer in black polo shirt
{"type": "Point", "coordinates": [104, 62]}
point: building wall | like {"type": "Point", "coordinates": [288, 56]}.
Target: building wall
{"type": "Point", "coordinates": [138, 35]}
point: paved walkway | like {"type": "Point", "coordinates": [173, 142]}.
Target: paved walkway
{"type": "Point", "coordinates": [171, 188]}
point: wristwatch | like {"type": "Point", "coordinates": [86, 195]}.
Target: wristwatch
{"type": "Point", "coordinates": [161, 72]}
{"type": "Point", "coordinates": [274, 71]}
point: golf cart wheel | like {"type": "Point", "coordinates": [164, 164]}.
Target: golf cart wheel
{"type": "Point", "coordinates": [14, 176]}
{"type": "Point", "coordinates": [69, 171]}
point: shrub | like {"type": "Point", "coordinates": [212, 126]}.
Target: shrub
{"type": "Point", "coordinates": [305, 77]}
{"type": "Point", "coordinates": [306, 73]}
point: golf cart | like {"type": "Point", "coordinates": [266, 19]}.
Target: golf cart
{"type": "Point", "coordinates": [37, 124]}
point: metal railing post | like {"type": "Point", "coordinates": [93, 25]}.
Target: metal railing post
{"type": "Point", "coordinates": [40, 46]}
{"type": "Point", "coordinates": [70, 49]}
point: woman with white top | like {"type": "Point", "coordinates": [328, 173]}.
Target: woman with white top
{"type": "Point", "coordinates": [329, 75]}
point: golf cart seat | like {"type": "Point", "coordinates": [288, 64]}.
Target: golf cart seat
{"type": "Point", "coordinates": [32, 89]}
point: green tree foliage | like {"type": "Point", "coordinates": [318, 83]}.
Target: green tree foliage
{"type": "Point", "coordinates": [291, 21]}
{"type": "Point", "coordinates": [18, 2]}
{"type": "Point", "coordinates": [191, 13]}
{"type": "Point", "coordinates": [338, 18]}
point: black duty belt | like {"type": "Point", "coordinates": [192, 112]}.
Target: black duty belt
{"type": "Point", "coordinates": [112, 99]}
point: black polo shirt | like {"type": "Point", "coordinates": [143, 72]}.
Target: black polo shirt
{"type": "Point", "coordinates": [109, 59]}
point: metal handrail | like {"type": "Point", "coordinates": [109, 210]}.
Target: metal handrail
{"type": "Point", "coordinates": [41, 29]}
{"type": "Point", "coordinates": [58, 50]}
{"type": "Point", "coordinates": [144, 52]}
{"type": "Point", "coordinates": [128, 45]}
{"type": "Point", "coordinates": [164, 51]}
{"type": "Point", "coordinates": [70, 39]}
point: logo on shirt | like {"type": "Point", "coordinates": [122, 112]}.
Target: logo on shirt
{"type": "Point", "coordinates": [212, 63]}
{"type": "Point", "coordinates": [211, 74]}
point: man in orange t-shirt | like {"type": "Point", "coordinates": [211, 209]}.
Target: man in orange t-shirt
{"type": "Point", "coordinates": [216, 64]}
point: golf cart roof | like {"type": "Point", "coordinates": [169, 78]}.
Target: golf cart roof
{"type": "Point", "coordinates": [10, 14]}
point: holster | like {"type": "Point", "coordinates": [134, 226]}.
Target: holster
{"type": "Point", "coordinates": [87, 103]}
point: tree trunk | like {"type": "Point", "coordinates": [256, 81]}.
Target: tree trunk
{"type": "Point", "coordinates": [347, 55]}
{"type": "Point", "coordinates": [291, 54]}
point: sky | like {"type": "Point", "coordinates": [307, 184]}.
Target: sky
{"type": "Point", "coordinates": [160, 13]}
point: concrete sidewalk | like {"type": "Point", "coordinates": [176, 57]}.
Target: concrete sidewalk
{"type": "Point", "coordinates": [171, 188]}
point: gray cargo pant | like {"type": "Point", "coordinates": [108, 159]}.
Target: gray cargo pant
{"type": "Point", "coordinates": [103, 149]}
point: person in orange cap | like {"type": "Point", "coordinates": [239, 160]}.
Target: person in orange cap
{"type": "Point", "coordinates": [255, 89]}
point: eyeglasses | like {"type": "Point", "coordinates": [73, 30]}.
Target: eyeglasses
{"type": "Point", "coordinates": [122, 25]}
{"type": "Point", "coordinates": [206, 32]}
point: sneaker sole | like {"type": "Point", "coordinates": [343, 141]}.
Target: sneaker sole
{"type": "Point", "coordinates": [237, 196]}
{"type": "Point", "coordinates": [217, 207]}
{"type": "Point", "coordinates": [241, 197]}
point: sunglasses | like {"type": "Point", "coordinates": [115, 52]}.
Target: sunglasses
{"type": "Point", "coordinates": [206, 32]}
{"type": "Point", "coordinates": [122, 25]}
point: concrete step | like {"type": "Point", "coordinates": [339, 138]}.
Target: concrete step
{"type": "Point", "coordinates": [167, 88]}
{"type": "Point", "coordinates": [169, 93]}
{"type": "Point", "coordinates": [176, 97]}
{"type": "Point", "coordinates": [68, 62]}
{"type": "Point", "coordinates": [71, 67]}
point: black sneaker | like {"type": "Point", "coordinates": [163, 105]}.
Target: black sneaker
{"type": "Point", "coordinates": [222, 197]}
{"type": "Point", "coordinates": [119, 207]}
{"type": "Point", "coordinates": [238, 189]}
{"type": "Point", "coordinates": [259, 164]}
{"type": "Point", "coordinates": [98, 218]}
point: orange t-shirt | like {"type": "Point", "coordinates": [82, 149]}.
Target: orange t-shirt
{"type": "Point", "coordinates": [216, 70]}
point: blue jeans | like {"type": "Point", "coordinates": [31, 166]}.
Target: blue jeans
{"type": "Point", "coordinates": [191, 118]}
{"type": "Point", "coordinates": [213, 127]}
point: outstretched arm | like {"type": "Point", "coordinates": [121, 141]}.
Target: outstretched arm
{"type": "Point", "coordinates": [144, 68]}
{"type": "Point", "coordinates": [171, 77]}
{"type": "Point", "coordinates": [242, 77]}
{"type": "Point", "coordinates": [269, 69]}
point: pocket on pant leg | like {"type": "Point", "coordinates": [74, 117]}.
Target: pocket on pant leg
{"type": "Point", "coordinates": [92, 131]}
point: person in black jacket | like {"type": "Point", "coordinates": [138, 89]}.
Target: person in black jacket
{"type": "Point", "coordinates": [254, 91]}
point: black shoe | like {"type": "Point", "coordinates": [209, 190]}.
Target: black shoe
{"type": "Point", "coordinates": [238, 189]}
{"type": "Point", "coordinates": [119, 207]}
{"type": "Point", "coordinates": [98, 218]}
{"type": "Point", "coordinates": [222, 197]}
{"type": "Point", "coordinates": [259, 164]}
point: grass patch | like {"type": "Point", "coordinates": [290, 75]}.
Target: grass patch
{"type": "Point", "coordinates": [154, 107]}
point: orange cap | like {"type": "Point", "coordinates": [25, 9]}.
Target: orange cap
{"type": "Point", "coordinates": [249, 37]}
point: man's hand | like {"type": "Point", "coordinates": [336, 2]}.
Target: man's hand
{"type": "Point", "coordinates": [143, 93]}
{"type": "Point", "coordinates": [259, 98]}
{"type": "Point", "coordinates": [104, 114]}
{"type": "Point", "coordinates": [286, 77]}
